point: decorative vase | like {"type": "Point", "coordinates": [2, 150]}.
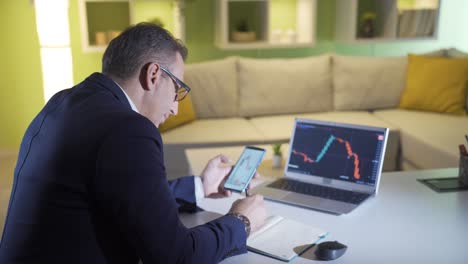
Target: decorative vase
{"type": "Point", "coordinates": [276, 35]}
{"type": "Point", "coordinates": [291, 36]}
{"type": "Point", "coordinates": [111, 34]}
{"type": "Point", "coordinates": [276, 161]}
{"type": "Point", "coordinates": [101, 38]}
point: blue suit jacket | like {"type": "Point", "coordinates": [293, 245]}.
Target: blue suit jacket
{"type": "Point", "coordinates": [90, 187]}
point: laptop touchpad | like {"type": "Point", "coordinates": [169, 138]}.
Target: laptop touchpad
{"type": "Point", "coordinates": [273, 193]}
{"type": "Point", "coordinates": [303, 199]}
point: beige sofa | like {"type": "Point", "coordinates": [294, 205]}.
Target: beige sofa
{"type": "Point", "coordinates": [241, 101]}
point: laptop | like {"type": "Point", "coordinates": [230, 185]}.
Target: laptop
{"type": "Point", "coordinates": [331, 167]}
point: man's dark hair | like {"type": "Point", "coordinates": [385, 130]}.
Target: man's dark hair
{"type": "Point", "coordinates": [138, 45]}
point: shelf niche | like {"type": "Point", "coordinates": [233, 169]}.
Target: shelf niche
{"type": "Point", "coordinates": [242, 24]}
{"type": "Point", "coordinates": [102, 20]}
{"type": "Point", "coordinates": [393, 20]}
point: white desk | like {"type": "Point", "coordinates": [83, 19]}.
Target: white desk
{"type": "Point", "coordinates": [405, 223]}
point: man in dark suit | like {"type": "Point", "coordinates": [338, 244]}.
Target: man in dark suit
{"type": "Point", "coordinates": [90, 184]}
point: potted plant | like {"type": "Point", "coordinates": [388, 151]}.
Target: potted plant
{"type": "Point", "coordinates": [242, 32]}
{"type": "Point", "coordinates": [367, 25]}
{"type": "Point", "coordinates": [277, 156]}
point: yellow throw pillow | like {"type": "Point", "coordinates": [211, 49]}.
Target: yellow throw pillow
{"type": "Point", "coordinates": [436, 84]}
{"type": "Point", "coordinates": [185, 114]}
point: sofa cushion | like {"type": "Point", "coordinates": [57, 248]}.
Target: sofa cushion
{"type": "Point", "coordinates": [436, 84]}
{"type": "Point", "coordinates": [428, 140]}
{"type": "Point", "coordinates": [455, 53]}
{"type": "Point", "coordinates": [281, 86]}
{"type": "Point", "coordinates": [435, 53]}
{"type": "Point", "coordinates": [366, 83]}
{"type": "Point", "coordinates": [212, 132]}
{"type": "Point", "coordinates": [214, 87]}
{"type": "Point", "coordinates": [279, 129]}
{"type": "Point", "coordinates": [185, 115]}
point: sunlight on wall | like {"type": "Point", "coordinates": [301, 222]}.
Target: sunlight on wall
{"type": "Point", "coordinates": [54, 40]}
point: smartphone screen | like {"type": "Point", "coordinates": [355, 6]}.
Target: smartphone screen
{"type": "Point", "coordinates": [244, 169]}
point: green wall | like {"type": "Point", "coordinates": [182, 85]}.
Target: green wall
{"type": "Point", "coordinates": [200, 27]}
{"type": "Point", "coordinates": [21, 93]}
{"type": "Point", "coordinates": [200, 39]}
{"type": "Point", "coordinates": [148, 10]}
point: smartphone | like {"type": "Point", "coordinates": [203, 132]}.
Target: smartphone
{"type": "Point", "coordinates": [245, 169]}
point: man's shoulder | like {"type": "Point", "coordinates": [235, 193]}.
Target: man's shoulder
{"type": "Point", "coordinates": [132, 124]}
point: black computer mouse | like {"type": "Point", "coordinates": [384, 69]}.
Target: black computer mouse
{"type": "Point", "coordinates": [330, 250]}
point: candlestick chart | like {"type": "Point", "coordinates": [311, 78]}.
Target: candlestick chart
{"type": "Point", "coordinates": [336, 153]}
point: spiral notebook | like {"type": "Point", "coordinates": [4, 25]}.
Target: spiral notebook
{"type": "Point", "coordinates": [284, 238]}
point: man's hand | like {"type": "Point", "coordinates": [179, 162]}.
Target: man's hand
{"type": "Point", "coordinates": [252, 207]}
{"type": "Point", "coordinates": [214, 175]}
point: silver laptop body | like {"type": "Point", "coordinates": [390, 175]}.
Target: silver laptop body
{"type": "Point", "coordinates": [332, 155]}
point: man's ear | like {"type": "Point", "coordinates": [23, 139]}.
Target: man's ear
{"type": "Point", "coordinates": [149, 75]}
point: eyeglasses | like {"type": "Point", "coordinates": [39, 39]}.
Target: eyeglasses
{"type": "Point", "coordinates": [182, 89]}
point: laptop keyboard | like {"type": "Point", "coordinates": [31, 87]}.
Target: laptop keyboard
{"type": "Point", "coordinates": [320, 191]}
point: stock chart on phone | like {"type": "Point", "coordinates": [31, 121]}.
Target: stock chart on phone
{"type": "Point", "coordinates": [347, 154]}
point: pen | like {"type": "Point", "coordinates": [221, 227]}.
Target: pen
{"type": "Point", "coordinates": [466, 137]}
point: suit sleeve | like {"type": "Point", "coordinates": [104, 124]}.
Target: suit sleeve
{"type": "Point", "coordinates": [131, 187]}
{"type": "Point", "coordinates": [183, 190]}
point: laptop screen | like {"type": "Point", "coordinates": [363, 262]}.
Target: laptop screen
{"type": "Point", "coordinates": [337, 151]}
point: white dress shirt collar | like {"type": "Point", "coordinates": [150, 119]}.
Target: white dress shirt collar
{"type": "Point", "coordinates": [132, 105]}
